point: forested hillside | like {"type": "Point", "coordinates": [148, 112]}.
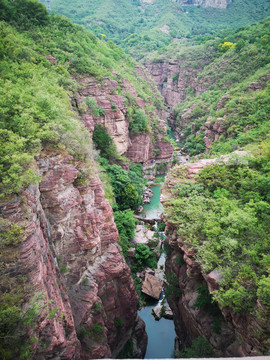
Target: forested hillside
{"type": "Point", "coordinates": [41, 58]}
{"type": "Point", "coordinates": [82, 130]}
{"type": "Point", "coordinates": [140, 27]}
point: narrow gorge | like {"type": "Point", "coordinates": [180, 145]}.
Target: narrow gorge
{"type": "Point", "coordinates": [134, 205]}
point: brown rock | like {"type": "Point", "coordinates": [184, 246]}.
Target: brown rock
{"type": "Point", "coordinates": [214, 279]}
{"type": "Point", "coordinates": [152, 286]}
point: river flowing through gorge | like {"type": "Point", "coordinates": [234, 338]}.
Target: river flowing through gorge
{"type": "Point", "coordinates": [161, 333]}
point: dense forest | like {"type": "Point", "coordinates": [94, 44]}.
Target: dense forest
{"type": "Point", "coordinates": [140, 27]}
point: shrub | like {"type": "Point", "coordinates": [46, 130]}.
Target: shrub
{"type": "Point", "coordinates": [104, 143]}
{"type": "Point", "coordinates": [200, 348]}
{"type": "Point", "coordinates": [118, 323]}
{"type": "Point", "coordinates": [96, 332]}
{"type": "Point", "coordinates": [144, 257]}
{"type": "Point", "coordinates": [125, 223]}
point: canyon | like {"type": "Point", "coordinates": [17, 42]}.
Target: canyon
{"type": "Point", "coordinates": [65, 283]}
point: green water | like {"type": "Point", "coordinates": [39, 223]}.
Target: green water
{"type": "Point", "coordinates": [161, 334]}
{"type": "Point", "coordinates": [154, 209]}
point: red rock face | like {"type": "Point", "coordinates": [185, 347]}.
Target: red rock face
{"type": "Point", "coordinates": [37, 260]}
{"type": "Point", "coordinates": [71, 255]}
{"type": "Point", "coordinates": [114, 109]}
{"type": "Point", "coordinates": [137, 148]}
{"type": "Point", "coordinates": [173, 80]}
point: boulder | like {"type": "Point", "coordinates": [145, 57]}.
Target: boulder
{"type": "Point", "coordinates": [152, 286]}
{"type": "Point", "coordinates": [160, 311]}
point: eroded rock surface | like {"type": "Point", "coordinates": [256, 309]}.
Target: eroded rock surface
{"type": "Point", "coordinates": [152, 286]}
{"type": "Point", "coordinates": [71, 256]}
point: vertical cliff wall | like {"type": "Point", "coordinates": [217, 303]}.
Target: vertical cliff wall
{"type": "Point", "coordinates": [70, 255]}
{"type": "Point", "coordinates": [138, 147]}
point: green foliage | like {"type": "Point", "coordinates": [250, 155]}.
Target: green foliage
{"type": "Point", "coordinates": [94, 108]}
{"type": "Point", "coordinates": [144, 257]}
{"type": "Point", "coordinates": [139, 31]}
{"type": "Point", "coordinates": [227, 46]}
{"type": "Point", "coordinates": [263, 291]}
{"type": "Point", "coordinates": [225, 217]}
{"type": "Point", "coordinates": [128, 186]}
{"type": "Point", "coordinates": [200, 348]}
{"type": "Point", "coordinates": [172, 289]}
{"type": "Point", "coordinates": [127, 351]}
{"type": "Point", "coordinates": [118, 323]}
{"type": "Point", "coordinates": [236, 112]}
{"type": "Point", "coordinates": [12, 235]}
{"type": "Point", "coordinates": [137, 121]}
{"type": "Point", "coordinates": [18, 324]}
{"type": "Point", "coordinates": [94, 332]}
{"type": "Point", "coordinates": [205, 301]}
{"type": "Point", "coordinates": [125, 223]}
{"type": "Point", "coordinates": [24, 14]}
{"type": "Point", "coordinates": [104, 143]}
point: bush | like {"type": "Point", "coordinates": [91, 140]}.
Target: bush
{"type": "Point", "coordinates": [144, 257]}
{"type": "Point", "coordinates": [200, 348]}
{"type": "Point", "coordinates": [125, 223]}
{"type": "Point", "coordinates": [104, 143]}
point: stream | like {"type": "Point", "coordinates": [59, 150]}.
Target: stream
{"type": "Point", "coordinates": [161, 334]}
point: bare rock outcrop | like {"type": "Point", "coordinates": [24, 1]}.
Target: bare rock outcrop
{"type": "Point", "coordinates": [113, 115]}
{"type": "Point", "coordinates": [152, 286]}
{"type": "Point", "coordinates": [71, 258]}
{"type": "Point", "coordinates": [220, 4]}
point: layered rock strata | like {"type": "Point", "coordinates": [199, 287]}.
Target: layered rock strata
{"type": "Point", "coordinates": [137, 147]}
{"type": "Point", "coordinates": [176, 79]}
{"type": "Point", "coordinates": [71, 257]}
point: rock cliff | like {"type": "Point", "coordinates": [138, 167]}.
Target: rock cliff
{"type": "Point", "coordinates": [70, 256]}
{"type": "Point", "coordinates": [176, 79]}
{"type": "Point", "coordinates": [137, 147]}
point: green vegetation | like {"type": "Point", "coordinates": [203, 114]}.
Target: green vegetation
{"type": "Point", "coordinates": [128, 185]}
{"type": "Point", "coordinates": [127, 351]}
{"type": "Point", "coordinates": [230, 103]}
{"type": "Point", "coordinates": [126, 224]}
{"type": "Point", "coordinates": [144, 258]}
{"type": "Point", "coordinates": [200, 348]}
{"type": "Point", "coordinates": [141, 27]}
{"type": "Point", "coordinates": [94, 333]}
{"type": "Point", "coordinates": [118, 323]}
{"type": "Point", "coordinates": [104, 143]}
{"type": "Point", "coordinates": [41, 56]}
{"type": "Point", "coordinates": [225, 216]}
{"type": "Point", "coordinates": [172, 289]}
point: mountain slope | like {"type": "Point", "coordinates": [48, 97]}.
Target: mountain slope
{"type": "Point", "coordinates": [65, 289]}
{"type": "Point", "coordinates": [140, 27]}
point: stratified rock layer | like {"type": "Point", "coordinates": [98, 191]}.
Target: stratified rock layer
{"type": "Point", "coordinates": [137, 147]}
{"type": "Point", "coordinates": [72, 259]}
